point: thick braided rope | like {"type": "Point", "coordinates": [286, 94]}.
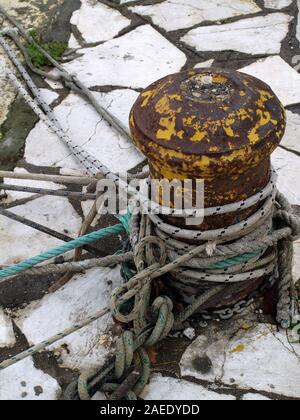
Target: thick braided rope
{"type": "Point", "coordinates": [93, 165]}
{"type": "Point", "coordinates": [62, 249]}
{"type": "Point", "coordinates": [290, 222]}
{"type": "Point", "coordinates": [41, 346]}
{"type": "Point", "coordinates": [242, 260]}
{"type": "Point", "coordinates": [78, 266]}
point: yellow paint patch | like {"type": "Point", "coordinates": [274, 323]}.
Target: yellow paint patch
{"type": "Point", "coordinates": [199, 135]}
{"type": "Point", "coordinates": [163, 106]}
{"type": "Point", "coordinates": [147, 96]}
{"type": "Point", "coordinates": [238, 349]}
{"type": "Point", "coordinates": [189, 120]}
{"type": "Point", "coordinates": [170, 128]}
{"type": "Point", "coordinates": [229, 131]}
{"type": "Point", "coordinates": [246, 326]}
{"type": "Point", "coordinates": [218, 78]}
{"type": "Point", "coordinates": [213, 149]}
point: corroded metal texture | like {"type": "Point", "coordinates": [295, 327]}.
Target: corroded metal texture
{"type": "Point", "coordinates": [216, 125]}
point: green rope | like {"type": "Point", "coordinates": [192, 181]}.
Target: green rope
{"type": "Point", "coordinates": [69, 246]}
{"type": "Point", "coordinates": [230, 262]}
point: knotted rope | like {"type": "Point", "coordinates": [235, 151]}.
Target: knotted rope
{"type": "Point", "coordinates": [260, 245]}
{"type": "Point", "coordinates": [160, 249]}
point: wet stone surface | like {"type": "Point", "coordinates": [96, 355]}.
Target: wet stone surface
{"type": "Point", "coordinates": [121, 47]}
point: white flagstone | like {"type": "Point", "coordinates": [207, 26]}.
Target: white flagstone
{"type": "Point", "coordinates": [87, 129]}
{"type": "Point", "coordinates": [291, 139]}
{"type": "Point", "coordinates": [204, 64]}
{"type": "Point", "coordinates": [133, 60]}
{"type": "Point", "coordinates": [82, 297]}
{"type": "Point", "coordinates": [7, 336]}
{"type": "Point", "coordinates": [98, 22]}
{"type": "Point", "coordinates": [19, 242]}
{"type": "Point", "coordinates": [298, 22]}
{"type": "Point", "coordinates": [179, 14]}
{"type": "Point", "coordinates": [165, 388]}
{"type": "Point", "coordinates": [23, 381]}
{"type": "Point", "coordinates": [279, 75]}
{"type": "Point", "coordinates": [258, 358]}
{"type": "Point", "coordinates": [287, 165]}
{"type": "Point", "coordinates": [256, 35]}
{"type": "Point", "coordinates": [255, 397]}
{"type": "Point", "coordinates": [277, 4]}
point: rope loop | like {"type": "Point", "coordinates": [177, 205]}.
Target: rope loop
{"type": "Point", "coordinates": [292, 221]}
{"type": "Point", "coordinates": [150, 240]}
{"type": "Point", "coordinates": [120, 303]}
{"type": "Point", "coordinates": [124, 353]}
{"type": "Point", "coordinates": [162, 310]}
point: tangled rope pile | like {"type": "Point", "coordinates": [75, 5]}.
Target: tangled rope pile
{"type": "Point", "coordinates": [261, 245]}
{"type": "Point", "coordinates": [156, 253]}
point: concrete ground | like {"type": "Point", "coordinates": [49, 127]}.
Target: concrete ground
{"type": "Point", "coordinates": [121, 47]}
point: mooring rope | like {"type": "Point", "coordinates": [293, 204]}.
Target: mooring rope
{"type": "Point", "coordinates": [218, 259]}
{"type": "Point", "coordinates": [58, 179]}
{"type": "Point", "coordinates": [41, 346]}
{"type": "Point", "coordinates": [155, 323]}
{"type": "Point", "coordinates": [44, 229]}
{"type": "Point", "coordinates": [62, 249]}
{"type": "Point", "coordinates": [78, 266]}
{"type": "Point", "coordinates": [48, 191]}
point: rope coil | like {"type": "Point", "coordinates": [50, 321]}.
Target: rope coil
{"type": "Point", "coordinates": [236, 254]}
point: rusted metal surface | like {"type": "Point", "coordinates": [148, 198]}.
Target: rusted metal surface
{"type": "Point", "coordinates": [220, 126]}
{"type": "Point", "coordinates": [216, 125]}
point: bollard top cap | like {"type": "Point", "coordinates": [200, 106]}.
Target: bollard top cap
{"type": "Point", "coordinates": [207, 112]}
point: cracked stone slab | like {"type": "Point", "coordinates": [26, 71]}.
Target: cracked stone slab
{"type": "Point", "coordinates": [128, 60]}
{"type": "Point", "coordinates": [82, 297]}
{"type": "Point", "coordinates": [7, 90]}
{"type": "Point", "coordinates": [73, 43]}
{"type": "Point", "coordinates": [277, 4]}
{"type": "Point", "coordinates": [257, 35]}
{"type": "Point", "coordinates": [298, 22]}
{"type": "Point", "coordinates": [7, 336]}
{"type": "Point", "coordinates": [19, 242]}
{"type": "Point", "coordinates": [287, 165]}
{"type": "Point", "coordinates": [279, 75]}
{"type": "Point", "coordinates": [172, 15]}
{"type": "Point", "coordinates": [97, 22]}
{"type": "Point", "coordinates": [48, 95]}
{"type": "Point", "coordinates": [23, 381]}
{"type": "Point", "coordinates": [166, 388]}
{"type": "Point", "coordinates": [56, 84]}
{"type": "Point", "coordinates": [248, 358]}
{"type": "Point", "coordinates": [94, 135]}
{"type": "Point", "coordinates": [204, 64]}
{"type": "Point", "coordinates": [291, 139]}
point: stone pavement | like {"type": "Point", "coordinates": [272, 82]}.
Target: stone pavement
{"type": "Point", "coordinates": [121, 47]}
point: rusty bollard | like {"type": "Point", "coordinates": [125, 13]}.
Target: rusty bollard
{"type": "Point", "coordinates": [216, 125]}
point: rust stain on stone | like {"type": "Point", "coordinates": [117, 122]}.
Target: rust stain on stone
{"type": "Point", "coordinates": [239, 349]}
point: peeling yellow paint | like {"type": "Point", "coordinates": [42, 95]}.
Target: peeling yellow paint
{"type": "Point", "coordinates": [198, 136]}
{"type": "Point", "coordinates": [170, 128]}
{"type": "Point", "coordinates": [238, 349]}
{"type": "Point", "coordinates": [147, 95]}
{"type": "Point", "coordinates": [246, 326]}
{"type": "Point", "coordinates": [218, 78]}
